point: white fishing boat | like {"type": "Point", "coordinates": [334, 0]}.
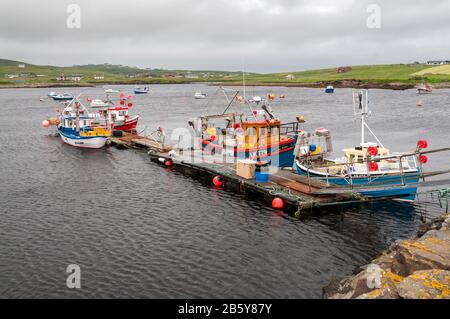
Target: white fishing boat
{"type": "Point", "coordinates": [369, 169]}
{"type": "Point", "coordinates": [112, 91]}
{"type": "Point", "coordinates": [77, 127]}
{"type": "Point", "coordinates": [200, 95]}
{"type": "Point", "coordinates": [424, 88]}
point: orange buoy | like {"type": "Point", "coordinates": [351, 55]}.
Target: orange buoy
{"type": "Point", "coordinates": [373, 166]}
{"type": "Point", "coordinates": [423, 159]}
{"type": "Point", "coordinates": [277, 203]}
{"type": "Point", "coordinates": [372, 150]}
{"type": "Point", "coordinates": [218, 181]}
{"type": "Point", "coordinates": [422, 144]}
{"type": "Point", "coordinates": [45, 123]}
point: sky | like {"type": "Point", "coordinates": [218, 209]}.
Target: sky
{"type": "Point", "coordinates": [257, 35]}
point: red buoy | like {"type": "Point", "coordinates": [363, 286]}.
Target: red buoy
{"type": "Point", "coordinates": [372, 150]}
{"type": "Point", "coordinates": [373, 166]}
{"type": "Point", "coordinates": [277, 203]}
{"type": "Point", "coordinates": [218, 181]}
{"type": "Point", "coordinates": [423, 159]}
{"type": "Point", "coordinates": [130, 104]}
{"type": "Point", "coordinates": [122, 102]}
{"type": "Point", "coordinates": [168, 163]}
{"type": "Point", "coordinates": [422, 144]}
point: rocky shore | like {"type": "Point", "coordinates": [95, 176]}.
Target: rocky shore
{"type": "Point", "coordinates": [410, 269]}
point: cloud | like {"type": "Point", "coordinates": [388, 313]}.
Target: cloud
{"type": "Point", "coordinates": [269, 36]}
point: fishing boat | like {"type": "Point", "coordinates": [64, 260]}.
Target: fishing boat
{"type": "Point", "coordinates": [60, 96]}
{"type": "Point", "coordinates": [111, 91]}
{"type": "Point", "coordinates": [369, 169]}
{"type": "Point", "coordinates": [329, 89]}
{"type": "Point", "coordinates": [257, 135]}
{"type": "Point", "coordinates": [424, 88]}
{"type": "Point", "coordinates": [139, 90]}
{"type": "Point", "coordinates": [77, 127]}
{"type": "Point", "coordinates": [200, 95]}
{"type": "Point", "coordinates": [118, 115]}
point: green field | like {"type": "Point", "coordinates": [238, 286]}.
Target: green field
{"type": "Point", "coordinates": [39, 75]}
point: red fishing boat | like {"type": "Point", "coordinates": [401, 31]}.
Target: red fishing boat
{"type": "Point", "coordinates": [118, 114]}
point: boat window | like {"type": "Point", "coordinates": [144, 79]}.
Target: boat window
{"type": "Point", "coordinates": [275, 135]}
{"type": "Point", "coordinates": [262, 136]}
{"type": "Point", "coordinates": [250, 136]}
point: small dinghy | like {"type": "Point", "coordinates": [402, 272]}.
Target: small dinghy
{"type": "Point", "coordinates": [139, 90]}
{"type": "Point", "coordinates": [200, 95]}
{"type": "Point", "coordinates": [424, 88]}
{"type": "Point", "coordinates": [112, 91]}
{"type": "Point", "coordinates": [60, 96]}
{"type": "Point", "coordinates": [329, 89]}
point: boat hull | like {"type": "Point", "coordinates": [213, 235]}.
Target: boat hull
{"type": "Point", "coordinates": [82, 142]}
{"type": "Point", "coordinates": [140, 92]}
{"type": "Point", "coordinates": [56, 98]}
{"type": "Point", "coordinates": [129, 125]}
{"type": "Point", "coordinates": [279, 155]}
{"type": "Point", "coordinates": [403, 192]}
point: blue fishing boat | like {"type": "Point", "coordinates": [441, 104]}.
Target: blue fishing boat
{"type": "Point", "coordinates": [329, 89]}
{"type": "Point", "coordinates": [139, 90]}
{"type": "Point", "coordinates": [369, 169]}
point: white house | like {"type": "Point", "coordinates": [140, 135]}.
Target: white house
{"type": "Point", "coordinates": [290, 77]}
{"type": "Point", "coordinates": [21, 65]}
{"type": "Point", "coordinates": [438, 62]}
{"type": "Point", "coordinates": [99, 77]}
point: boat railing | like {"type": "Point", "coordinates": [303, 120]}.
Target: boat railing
{"type": "Point", "coordinates": [405, 163]}
{"type": "Point", "coordinates": [289, 128]}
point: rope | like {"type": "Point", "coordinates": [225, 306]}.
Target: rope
{"type": "Point", "coordinates": [277, 191]}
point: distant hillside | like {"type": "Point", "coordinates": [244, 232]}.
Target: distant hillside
{"type": "Point", "coordinates": [394, 73]}
{"type": "Point", "coordinates": [398, 76]}
{"type": "Point", "coordinates": [21, 73]}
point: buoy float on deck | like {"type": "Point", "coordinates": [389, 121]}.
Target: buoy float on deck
{"type": "Point", "coordinates": [277, 203]}
{"type": "Point", "coordinates": [218, 181]}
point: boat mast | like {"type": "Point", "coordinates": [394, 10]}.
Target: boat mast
{"type": "Point", "coordinates": [364, 107]}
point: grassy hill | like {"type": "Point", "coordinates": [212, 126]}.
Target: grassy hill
{"type": "Point", "coordinates": [376, 74]}
{"type": "Point", "coordinates": [11, 74]}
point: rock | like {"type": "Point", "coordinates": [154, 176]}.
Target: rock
{"type": "Point", "coordinates": [435, 224]}
{"type": "Point", "coordinates": [429, 252]}
{"type": "Point", "coordinates": [426, 284]}
{"type": "Point", "coordinates": [372, 283]}
{"type": "Point", "coordinates": [383, 293]}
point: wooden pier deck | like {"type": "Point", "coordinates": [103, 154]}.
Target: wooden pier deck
{"type": "Point", "coordinates": [298, 193]}
{"type": "Point", "coordinates": [131, 140]}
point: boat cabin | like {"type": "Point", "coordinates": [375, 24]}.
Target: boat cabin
{"type": "Point", "coordinates": [360, 154]}
{"type": "Point", "coordinates": [262, 133]}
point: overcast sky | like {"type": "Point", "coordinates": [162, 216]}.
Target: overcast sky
{"type": "Point", "coordinates": [268, 35]}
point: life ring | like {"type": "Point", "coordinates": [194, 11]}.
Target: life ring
{"type": "Point", "coordinates": [344, 171]}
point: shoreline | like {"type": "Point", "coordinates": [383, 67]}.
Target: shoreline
{"type": "Point", "coordinates": [417, 268]}
{"type": "Point", "coordinates": [351, 84]}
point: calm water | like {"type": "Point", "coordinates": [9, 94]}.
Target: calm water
{"type": "Point", "coordinates": [138, 230]}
